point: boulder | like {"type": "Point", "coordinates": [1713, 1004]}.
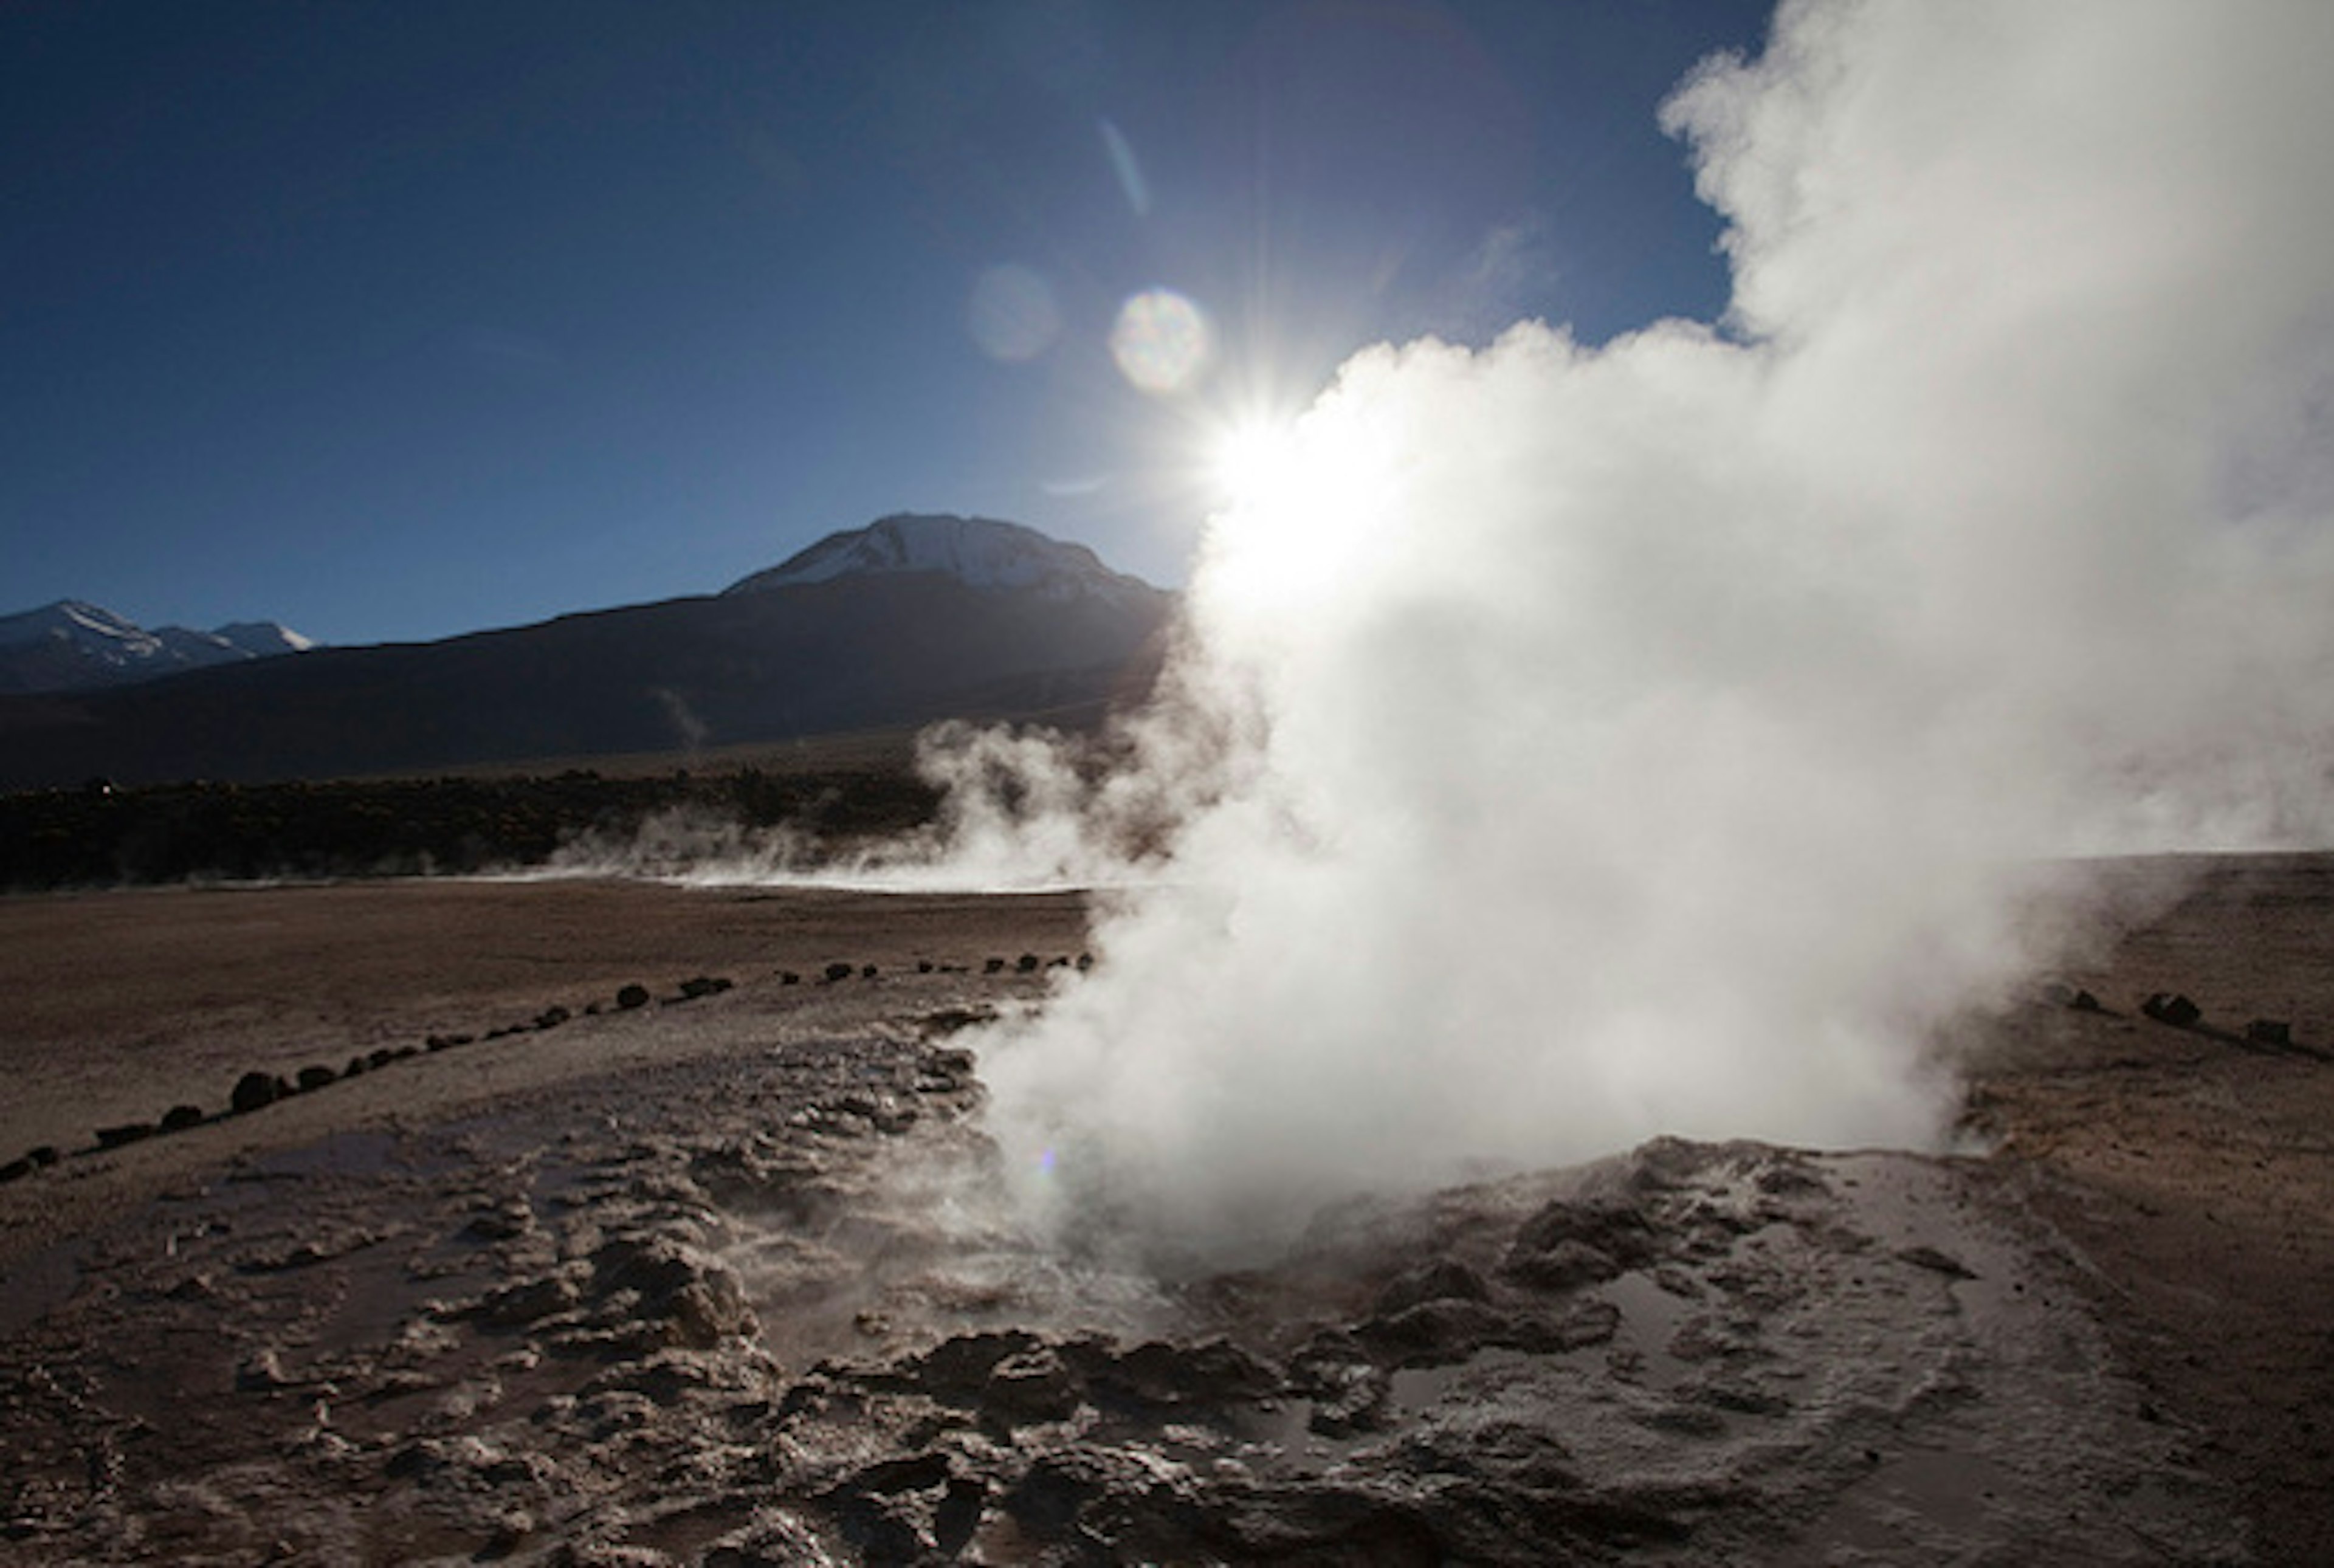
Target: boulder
{"type": "Point", "coordinates": [633, 997]}
{"type": "Point", "coordinates": [315, 1078]}
{"type": "Point", "coordinates": [178, 1118]}
{"type": "Point", "coordinates": [253, 1091]}
{"type": "Point", "coordinates": [127, 1133]}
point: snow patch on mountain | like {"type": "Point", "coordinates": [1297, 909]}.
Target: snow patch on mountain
{"type": "Point", "coordinates": [979, 552]}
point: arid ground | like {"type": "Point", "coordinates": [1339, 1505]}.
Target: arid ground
{"type": "Point", "coordinates": [720, 1277]}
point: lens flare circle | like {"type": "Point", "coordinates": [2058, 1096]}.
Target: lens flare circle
{"type": "Point", "coordinates": [1012, 314]}
{"type": "Point", "coordinates": [1163, 341]}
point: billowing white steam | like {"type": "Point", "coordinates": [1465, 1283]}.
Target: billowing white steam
{"type": "Point", "coordinates": [1599, 743]}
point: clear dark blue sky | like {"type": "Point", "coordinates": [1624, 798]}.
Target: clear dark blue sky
{"type": "Point", "coordinates": [393, 320]}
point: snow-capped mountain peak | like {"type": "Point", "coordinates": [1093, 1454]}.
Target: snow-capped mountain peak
{"type": "Point", "coordinates": [72, 644]}
{"type": "Point", "coordinates": [979, 552]}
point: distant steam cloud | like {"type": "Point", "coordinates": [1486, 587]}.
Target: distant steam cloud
{"type": "Point", "coordinates": [1575, 745]}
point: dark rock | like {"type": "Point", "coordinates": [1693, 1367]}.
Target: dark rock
{"type": "Point", "coordinates": [993, 967]}
{"type": "Point", "coordinates": [1588, 1322]}
{"type": "Point", "coordinates": [552, 1017]}
{"type": "Point", "coordinates": [632, 997]}
{"type": "Point", "coordinates": [356, 1068]}
{"type": "Point", "coordinates": [699, 986]}
{"type": "Point", "coordinates": [867, 971]}
{"type": "Point", "coordinates": [178, 1118]}
{"type": "Point", "coordinates": [788, 978]}
{"type": "Point", "coordinates": [1348, 1389]}
{"type": "Point", "coordinates": [923, 966]}
{"type": "Point", "coordinates": [2171, 1008]}
{"type": "Point", "coordinates": [1027, 963]}
{"type": "Point", "coordinates": [380, 1058]}
{"type": "Point", "coordinates": [1562, 1265]}
{"type": "Point", "coordinates": [693, 1298]}
{"type": "Point", "coordinates": [315, 1078]}
{"type": "Point", "coordinates": [42, 1155]}
{"type": "Point", "coordinates": [2084, 1002]}
{"type": "Point", "coordinates": [2270, 1032]}
{"type": "Point", "coordinates": [1214, 1371]}
{"type": "Point", "coordinates": [1126, 1505]}
{"type": "Point", "coordinates": [889, 1511]}
{"type": "Point", "coordinates": [1935, 1262]}
{"type": "Point", "coordinates": [1034, 1385]}
{"type": "Point", "coordinates": [775, 1540]}
{"type": "Point", "coordinates": [529, 1301]}
{"type": "Point", "coordinates": [1445, 1279]}
{"type": "Point", "coordinates": [16, 1171]}
{"type": "Point", "coordinates": [1434, 1333]}
{"type": "Point", "coordinates": [1567, 1244]}
{"type": "Point", "coordinates": [253, 1091]}
{"type": "Point", "coordinates": [956, 1370]}
{"type": "Point", "coordinates": [1085, 962]}
{"type": "Point", "coordinates": [837, 972]}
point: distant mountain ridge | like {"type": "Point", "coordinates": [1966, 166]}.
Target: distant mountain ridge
{"type": "Point", "coordinates": [978, 551]}
{"type": "Point", "coordinates": [73, 645]}
{"type": "Point", "coordinates": [905, 623]}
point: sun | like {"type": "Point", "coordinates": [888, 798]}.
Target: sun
{"type": "Point", "coordinates": [1256, 462]}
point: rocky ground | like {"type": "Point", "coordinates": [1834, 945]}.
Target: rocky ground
{"type": "Point", "coordinates": [719, 1278]}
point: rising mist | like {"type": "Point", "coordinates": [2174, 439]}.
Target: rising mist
{"type": "Point", "coordinates": [1664, 737]}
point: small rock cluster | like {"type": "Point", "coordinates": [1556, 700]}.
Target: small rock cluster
{"type": "Point", "coordinates": [256, 1090]}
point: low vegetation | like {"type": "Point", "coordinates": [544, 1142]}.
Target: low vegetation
{"type": "Point", "coordinates": [101, 836]}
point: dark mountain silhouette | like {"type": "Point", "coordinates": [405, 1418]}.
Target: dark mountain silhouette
{"type": "Point", "coordinates": [852, 651]}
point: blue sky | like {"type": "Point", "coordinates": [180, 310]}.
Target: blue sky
{"type": "Point", "coordinates": [394, 321]}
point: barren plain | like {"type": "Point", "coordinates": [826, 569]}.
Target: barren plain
{"type": "Point", "coordinates": [720, 1277]}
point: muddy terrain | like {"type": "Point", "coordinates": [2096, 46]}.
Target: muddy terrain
{"type": "Point", "coordinates": [620, 1246]}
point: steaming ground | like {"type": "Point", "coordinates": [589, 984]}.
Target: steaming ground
{"type": "Point", "coordinates": [733, 1276]}
{"type": "Point", "coordinates": [1576, 744]}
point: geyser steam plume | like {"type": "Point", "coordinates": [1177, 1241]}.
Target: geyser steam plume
{"type": "Point", "coordinates": [1608, 741]}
